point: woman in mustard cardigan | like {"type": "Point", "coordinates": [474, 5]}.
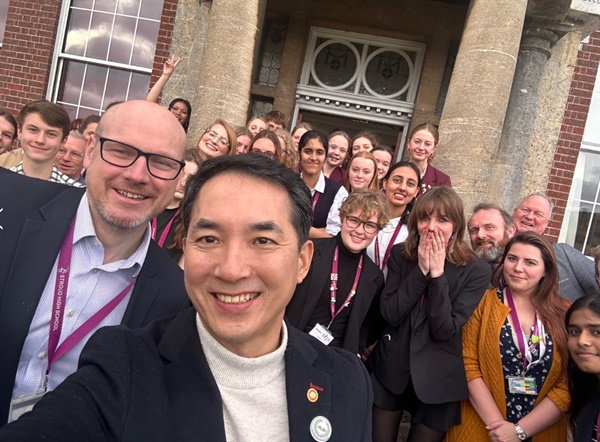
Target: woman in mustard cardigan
{"type": "Point", "coordinates": [511, 397]}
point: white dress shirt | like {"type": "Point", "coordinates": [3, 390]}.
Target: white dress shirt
{"type": "Point", "coordinates": [91, 286]}
{"type": "Point", "coordinates": [384, 237]}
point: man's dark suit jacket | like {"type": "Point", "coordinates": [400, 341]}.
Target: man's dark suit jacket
{"type": "Point", "coordinates": [154, 384]}
{"type": "Point", "coordinates": [365, 323]}
{"type": "Point", "coordinates": [423, 340]}
{"type": "Point", "coordinates": [35, 218]}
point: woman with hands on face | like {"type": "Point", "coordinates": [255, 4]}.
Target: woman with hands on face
{"type": "Point", "coordinates": [434, 284]}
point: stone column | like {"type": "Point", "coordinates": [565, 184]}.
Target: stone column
{"type": "Point", "coordinates": [515, 144]}
{"type": "Point", "coordinates": [225, 75]}
{"type": "Point", "coordinates": [477, 99]}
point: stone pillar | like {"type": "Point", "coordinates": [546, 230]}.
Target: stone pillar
{"type": "Point", "coordinates": [473, 116]}
{"type": "Point", "coordinates": [225, 75]}
{"type": "Point", "coordinates": [515, 145]}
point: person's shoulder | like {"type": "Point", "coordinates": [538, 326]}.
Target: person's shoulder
{"type": "Point", "coordinates": [479, 265]}
{"type": "Point", "coordinates": [145, 339]}
{"type": "Point", "coordinates": [24, 191]}
{"type": "Point", "coordinates": [11, 158]}
{"type": "Point", "coordinates": [371, 268]}
{"type": "Point", "coordinates": [334, 361]}
{"type": "Point", "coordinates": [441, 178]}
{"type": "Point", "coordinates": [159, 261]}
{"type": "Point", "coordinates": [324, 243]}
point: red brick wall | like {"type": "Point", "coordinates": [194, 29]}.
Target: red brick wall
{"type": "Point", "coordinates": [165, 33]}
{"type": "Point", "coordinates": [571, 131]}
{"type": "Point", "coordinates": [27, 51]}
{"type": "Point", "coordinates": [28, 45]}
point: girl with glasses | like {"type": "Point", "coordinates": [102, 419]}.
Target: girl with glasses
{"type": "Point", "coordinates": [338, 301]}
{"type": "Point", "coordinates": [219, 139]}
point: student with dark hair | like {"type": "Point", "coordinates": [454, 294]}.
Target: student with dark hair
{"type": "Point", "coordinates": [327, 195]}
{"type": "Point", "coordinates": [88, 126]}
{"type": "Point", "coordinates": [276, 120]}
{"type": "Point", "coordinates": [583, 330]}
{"type": "Point", "coordinates": [434, 284]}
{"type": "Point", "coordinates": [400, 187]}
{"type": "Point", "coordinates": [43, 128]}
{"type": "Point", "coordinates": [181, 108]}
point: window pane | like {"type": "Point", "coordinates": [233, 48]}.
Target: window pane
{"type": "Point", "coordinates": [72, 80]}
{"type": "Point", "coordinates": [152, 9]}
{"type": "Point", "coordinates": [122, 39]}
{"type": "Point", "coordinates": [105, 5]}
{"type": "Point", "coordinates": [145, 43]}
{"type": "Point", "coordinates": [128, 7]}
{"type": "Point", "coordinates": [594, 236]}
{"type": "Point", "coordinates": [3, 14]}
{"type": "Point", "coordinates": [77, 33]}
{"type": "Point", "coordinates": [99, 35]}
{"type": "Point", "coordinates": [116, 88]}
{"type": "Point", "coordinates": [83, 3]}
{"type": "Point", "coordinates": [590, 175]}
{"type": "Point", "coordinates": [93, 86]}
{"type": "Point", "coordinates": [140, 83]}
{"type": "Point", "coordinates": [335, 64]}
{"type": "Point", "coordinates": [387, 73]}
{"type": "Point", "coordinates": [71, 110]}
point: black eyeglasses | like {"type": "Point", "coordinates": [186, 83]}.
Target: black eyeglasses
{"type": "Point", "coordinates": [353, 222]}
{"type": "Point", "coordinates": [123, 155]}
{"type": "Point", "coordinates": [271, 155]}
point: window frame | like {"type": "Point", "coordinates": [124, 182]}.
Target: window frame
{"type": "Point", "coordinates": [59, 57]}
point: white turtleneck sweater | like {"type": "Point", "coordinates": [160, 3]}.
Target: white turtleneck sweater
{"type": "Point", "coordinates": [253, 390]}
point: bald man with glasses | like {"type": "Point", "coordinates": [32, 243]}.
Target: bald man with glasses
{"type": "Point", "coordinates": [75, 260]}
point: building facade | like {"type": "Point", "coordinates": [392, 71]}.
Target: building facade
{"type": "Point", "coordinates": [503, 79]}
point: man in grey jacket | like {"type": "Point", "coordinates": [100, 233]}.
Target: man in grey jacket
{"type": "Point", "coordinates": [576, 272]}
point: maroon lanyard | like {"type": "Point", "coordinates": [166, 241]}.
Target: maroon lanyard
{"type": "Point", "coordinates": [517, 324]}
{"type": "Point", "coordinates": [389, 247]}
{"type": "Point", "coordinates": [58, 307]}
{"type": "Point", "coordinates": [165, 233]}
{"type": "Point", "coordinates": [316, 200]}
{"type": "Point", "coordinates": [333, 288]}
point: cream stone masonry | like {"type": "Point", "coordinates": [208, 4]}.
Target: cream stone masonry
{"type": "Point", "coordinates": [475, 108]}
{"type": "Point", "coordinates": [224, 79]}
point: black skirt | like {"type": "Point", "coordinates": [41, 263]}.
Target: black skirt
{"type": "Point", "coordinates": [438, 417]}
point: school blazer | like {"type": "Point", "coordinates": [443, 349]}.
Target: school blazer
{"type": "Point", "coordinates": [425, 316]}
{"type": "Point", "coordinates": [35, 217]}
{"type": "Point", "coordinates": [154, 384]}
{"type": "Point", "coordinates": [365, 322]}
